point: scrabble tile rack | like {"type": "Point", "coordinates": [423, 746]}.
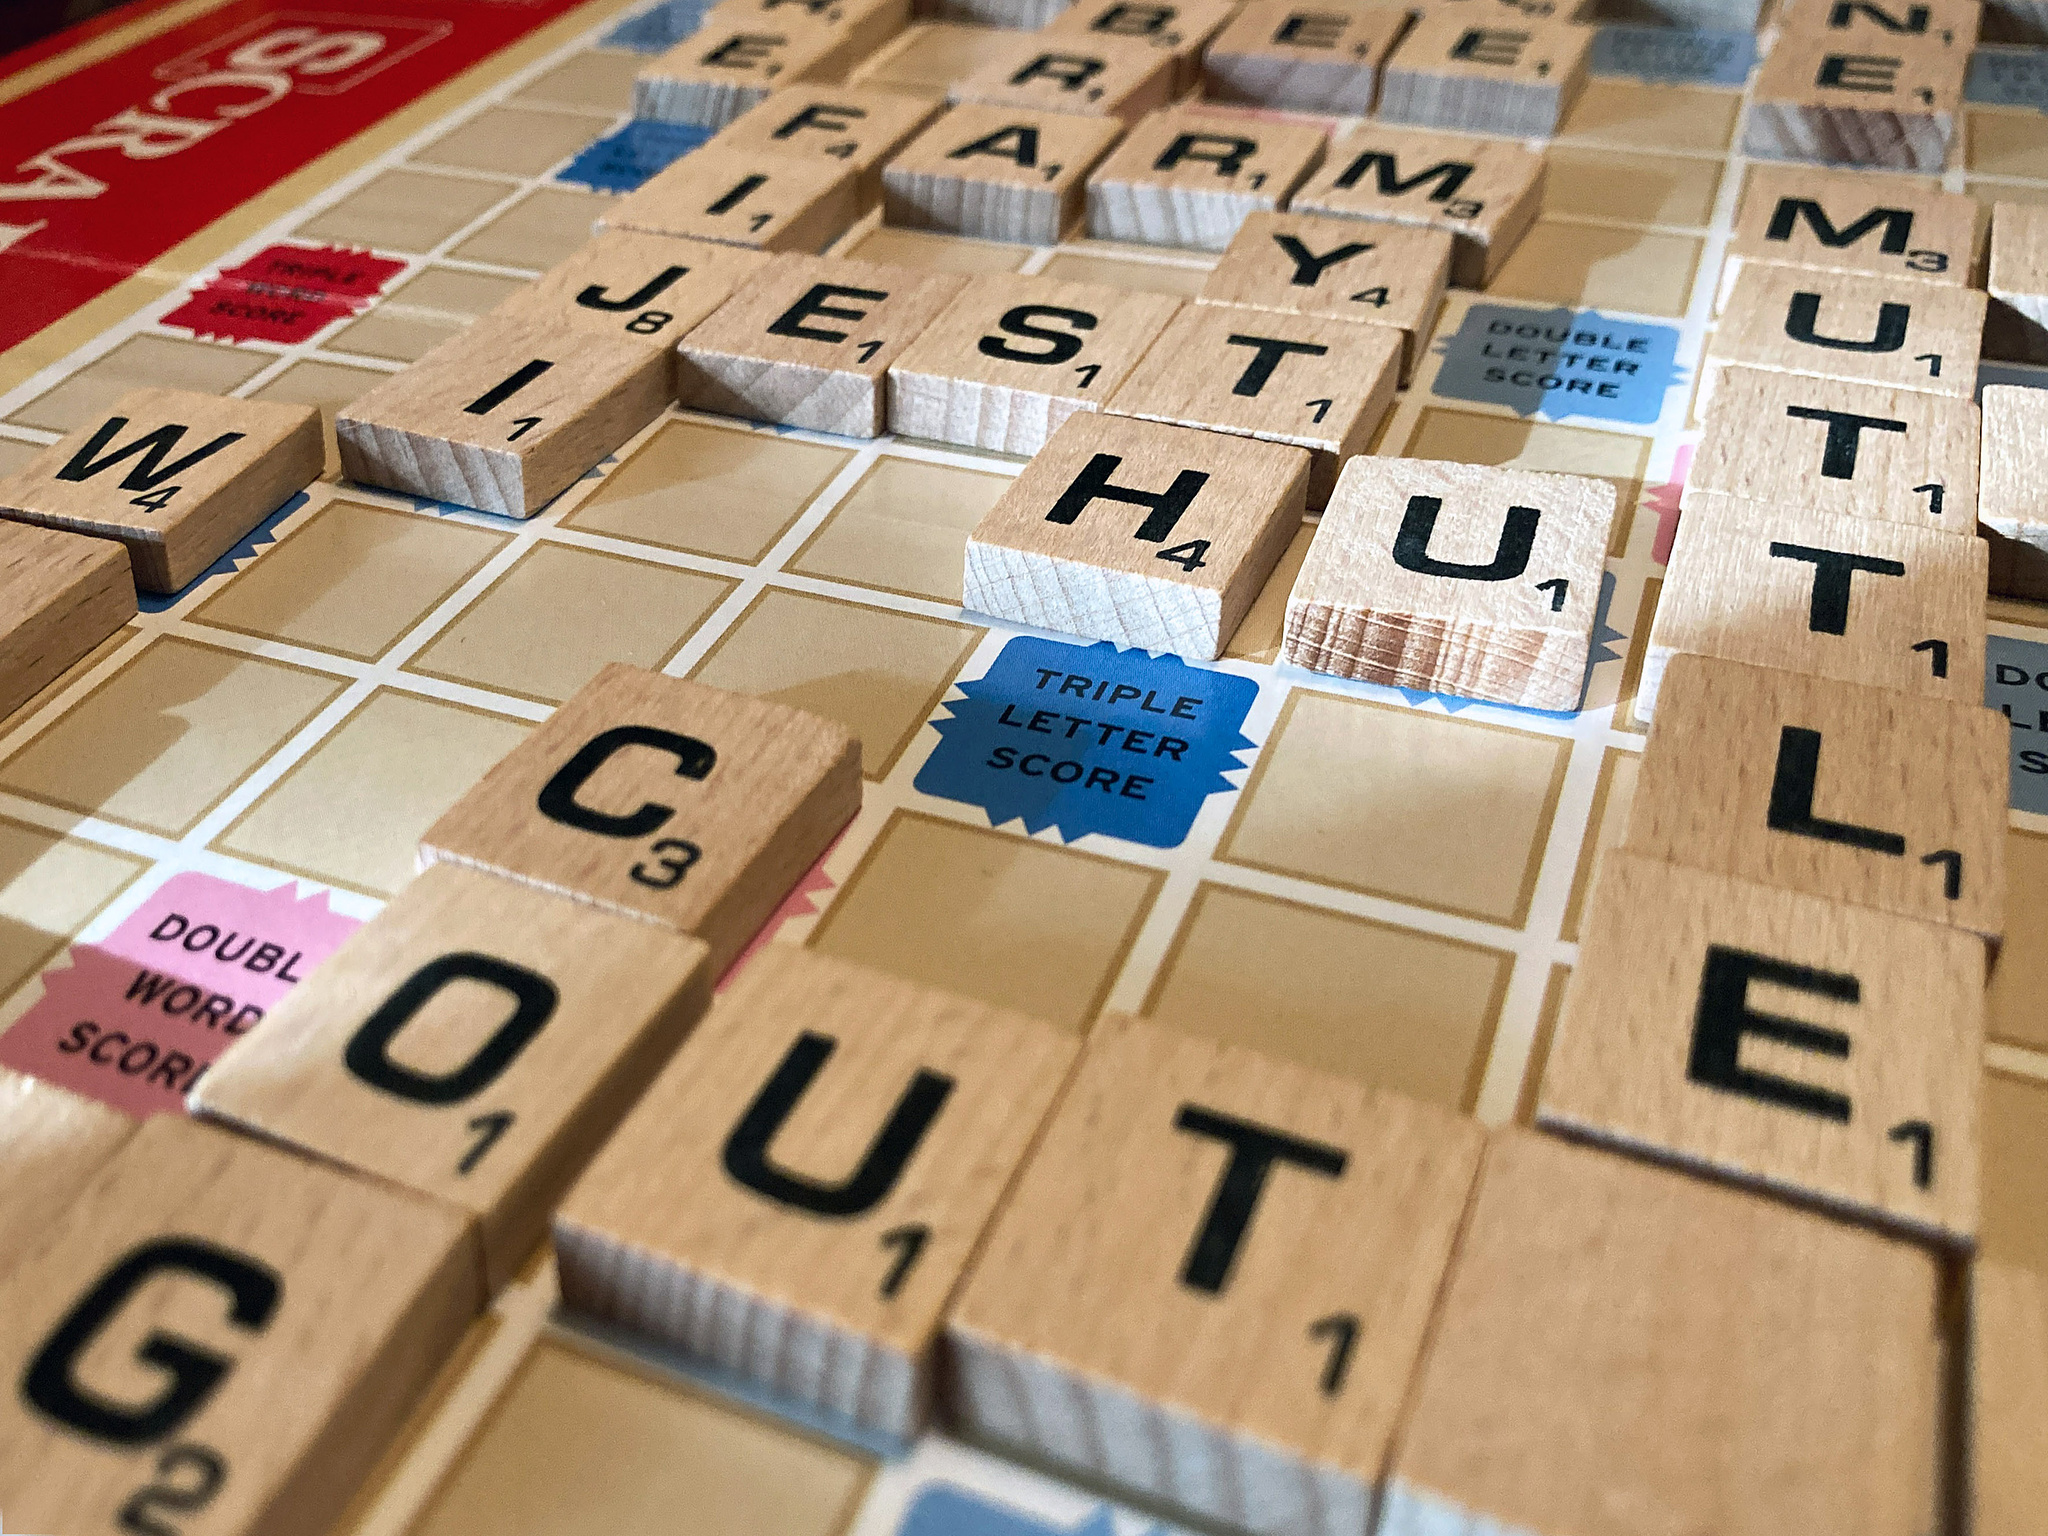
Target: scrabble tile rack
{"type": "Point", "coordinates": [298, 716]}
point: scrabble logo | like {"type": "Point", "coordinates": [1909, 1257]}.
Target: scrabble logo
{"type": "Point", "coordinates": [317, 53]}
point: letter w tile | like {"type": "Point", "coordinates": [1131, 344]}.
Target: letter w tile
{"type": "Point", "coordinates": [149, 470]}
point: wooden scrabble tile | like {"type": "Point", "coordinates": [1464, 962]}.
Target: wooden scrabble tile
{"type": "Point", "coordinates": [1182, 28]}
{"type": "Point", "coordinates": [1854, 450]}
{"type": "Point", "coordinates": [856, 129]}
{"type": "Point", "coordinates": [1319, 383]}
{"type": "Point", "coordinates": [1189, 178]}
{"type": "Point", "coordinates": [798, 1195]}
{"type": "Point", "coordinates": [1100, 75]}
{"type": "Point", "coordinates": [730, 67]}
{"type": "Point", "coordinates": [688, 806]}
{"type": "Point", "coordinates": [504, 416]}
{"type": "Point", "coordinates": [2014, 500]}
{"type": "Point", "coordinates": [2008, 1374]}
{"type": "Point", "coordinates": [222, 1334]}
{"type": "Point", "coordinates": [1134, 531]}
{"type": "Point", "coordinates": [53, 1142]}
{"type": "Point", "coordinates": [1484, 193]}
{"type": "Point", "coordinates": [1454, 578]}
{"type": "Point", "coordinates": [1298, 57]}
{"type": "Point", "coordinates": [1315, 266]}
{"type": "Point", "coordinates": [1490, 73]}
{"type": "Point", "coordinates": [768, 203]}
{"type": "Point", "coordinates": [996, 173]}
{"type": "Point", "coordinates": [1817, 1049]}
{"type": "Point", "coordinates": [862, 25]}
{"type": "Point", "coordinates": [638, 287]}
{"type": "Point", "coordinates": [1008, 15]}
{"type": "Point", "coordinates": [1928, 23]}
{"type": "Point", "coordinates": [475, 1042]}
{"type": "Point", "coordinates": [1862, 795]}
{"type": "Point", "coordinates": [1855, 599]}
{"type": "Point", "coordinates": [61, 594]}
{"type": "Point", "coordinates": [1845, 221]}
{"type": "Point", "coordinates": [2016, 323]}
{"type": "Point", "coordinates": [1013, 357]}
{"type": "Point", "coordinates": [1835, 326]}
{"type": "Point", "coordinates": [177, 476]}
{"type": "Point", "coordinates": [1213, 1281]}
{"type": "Point", "coordinates": [1623, 1349]}
{"type": "Point", "coordinates": [808, 343]}
{"type": "Point", "coordinates": [1887, 105]}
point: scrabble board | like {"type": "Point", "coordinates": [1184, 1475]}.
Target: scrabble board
{"type": "Point", "coordinates": [1382, 884]}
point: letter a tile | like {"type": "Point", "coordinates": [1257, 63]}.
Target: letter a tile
{"type": "Point", "coordinates": [795, 1199]}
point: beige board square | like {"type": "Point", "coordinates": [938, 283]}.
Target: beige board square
{"type": "Point", "coordinates": [733, 64]}
{"type": "Point", "coordinates": [1613, 796]}
{"type": "Point", "coordinates": [1138, 532]}
{"type": "Point", "coordinates": [402, 211]}
{"type": "Point", "coordinates": [807, 341]}
{"type": "Point", "coordinates": [1282, 978]}
{"type": "Point", "coordinates": [2012, 1010]}
{"type": "Point", "coordinates": [55, 1142]}
{"type": "Point", "coordinates": [506, 416]}
{"type": "Point", "coordinates": [1095, 75]}
{"type": "Point", "coordinates": [352, 810]}
{"type": "Point", "coordinates": [1296, 58]}
{"type": "Point", "coordinates": [543, 228]}
{"type": "Point", "coordinates": [1863, 329]}
{"type": "Point", "coordinates": [1385, 275]}
{"type": "Point", "coordinates": [509, 141]}
{"type": "Point", "coordinates": [1181, 282]}
{"type": "Point", "coordinates": [1639, 115]}
{"type": "Point", "coordinates": [799, 1194]}
{"type": "Point", "coordinates": [633, 286]}
{"type": "Point", "coordinates": [762, 202]}
{"type": "Point", "coordinates": [1853, 450]}
{"type": "Point", "coordinates": [1515, 443]}
{"type": "Point", "coordinates": [1505, 74]}
{"type": "Point", "coordinates": [903, 528]}
{"type": "Point", "coordinates": [176, 477]}
{"type": "Point", "coordinates": [878, 673]}
{"type": "Point", "coordinates": [1396, 802]}
{"type": "Point", "coordinates": [996, 173]}
{"type": "Point", "coordinates": [1846, 221]}
{"type": "Point", "coordinates": [928, 57]}
{"type": "Point", "coordinates": [662, 799]}
{"type": "Point", "coordinates": [1590, 1372]}
{"type": "Point", "coordinates": [1631, 188]}
{"type": "Point", "coordinates": [1495, 601]}
{"type": "Point", "coordinates": [87, 395]}
{"type": "Point", "coordinates": [61, 594]}
{"type": "Point", "coordinates": [1183, 177]}
{"type": "Point", "coordinates": [530, 633]}
{"type": "Point", "coordinates": [1822, 1051]}
{"type": "Point", "coordinates": [328, 388]}
{"type": "Point", "coordinates": [2016, 322]}
{"type": "Point", "coordinates": [1844, 101]}
{"type": "Point", "coordinates": [2006, 142]}
{"type": "Point", "coordinates": [1312, 381]}
{"type": "Point", "coordinates": [1258, 635]}
{"type": "Point", "coordinates": [475, 1043]}
{"type": "Point", "coordinates": [50, 887]}
{"type": "Point", "coordinates": [1484, 193]}
{"type": "Point", "coordinates": [1988, 194]}
{"type": "Point", "coordinates": [2008, 1409]}
{"type": "Point", "coordinates": [325, 1305]}
{"type": "Point", "coordinates": [936, 253]}
{"type": "Point", "coordinates": [1854, 599]}
{"type": "Point", "coordinates": [1012, 357]}
{"type": "Point", "coordinates": [1862, 795]}
{"type": "Point", "coordinates": [709, 490]}
{"type": "Point", "coordinates": [350, 579]}
{"type": "Point", "coordinates": [583, 1443]}
{"type": "Point", "coordinates": [158, 744]}
{"type": "Point", "coordinates": [1182, 28]}
{"type": "Point", "coordinates": [975, 911]}
{"type": "Point", "coordinates": [422, 312]}
{"type": "Point", "coordinates": [597, 80]}
{"type": "Point", "coordinates": [856, 129]}
{"type": "Point", "coordinates": [1644, 272]}
{"type": "Point", "coordinates": [1213, 1282]}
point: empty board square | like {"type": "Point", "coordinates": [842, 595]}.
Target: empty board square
{"type": "Point", "coordinates": [1280, 977]}
{"type": "Point", "coordinates": [352, 810]}
{"type": "Point", "coordinates": [2023, 958]}
{"type": "Point", "coordinates": [1845, 221]}
{"type": "Point", "coordinates": [807, 341]}
{"type": "Point", "coordinates": [667, 800]}
{"type": "Point", "coordinates": [1382, 274]}
{"type": "Point", "coordinates": [928, 57]}
{"type": "Point", "coordinates": [50, 887]}
{"type": "Point", "coordinates": [878, 673]}
{"type": "Point", "coordinates": [1188, 178]}
{"type": "Point", "coordinates": [738, 197]}
{"type": "Point", "coordinates": [902, 528]}
{"type": "Point", "coordinates": [1012, 357]}
{"type": "Point", "coordinates": [936, 253]}
{"type": "Point", "coordinates": [1817, 97]}
{"type": "Point", "coordinates": [1095, 75]}
{"type": "Point", "coordinates": [509, 141]}
{"type": "Point", "coordinates": [397, 1057]}
{"type": "Point", "coordinates": [633, 286]}
{"type": "Point", "coordinates": [1288, 57]}
{"type": "Point", "coordinates": [2006, 142]}
{"type": "Point", "coordinates": [751, 1211]}
{"type": "Point", "coordinates": [530, 632]}
{"type": "Point", "coordinates": [974, 911]}
{"type": "Point", "coordinates": [329, 388]}
{"type": "Point", "coordinates": [1494, 601]}
{"type": "Point", "coordinates": [856, 129]}
{"type": "Point", "coordinates": [546, 226]}
{"type": "Point", "coordinates": [1151, 1313]}
{"type": "Point", "coordinates": [1855, 599]}
{"type": "Point", "coordinates": [402, 211]}
{"type": "Point", "coordinates": [2015, 1171]}
{"type": "Point", "coordinates": [88, 394]}
{"type": "Point", "coordinates": [596, 80]}
{"type": "Point", "coordinates": [1401, 803]}
{"type": "Point", "coordinates": [1640, 271]}
{"type": "Point", "coordinates": [709, 490]}
{"type": "Point", "coordinates": [1182, 28]}
{"type": "Point", "coordinates": [1494, 74]}
{"type": "Point", "coordinates": [1630, 188]}
{"type": "Point", "coordinates": [1138, 532]}
{"type": "Point", "coordinates": [1313, 381]}
{"type": "Point", "coordinates": [1175, 278]}
{"type": "Point", "coordinates": [1588, 1374]}
{"type": "Point", "coordinates": [1639, 114]}
{"type": "Point", "coordinates": [1819, 1050]}
{"type": "Point", "coordinates": [996, 173]}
